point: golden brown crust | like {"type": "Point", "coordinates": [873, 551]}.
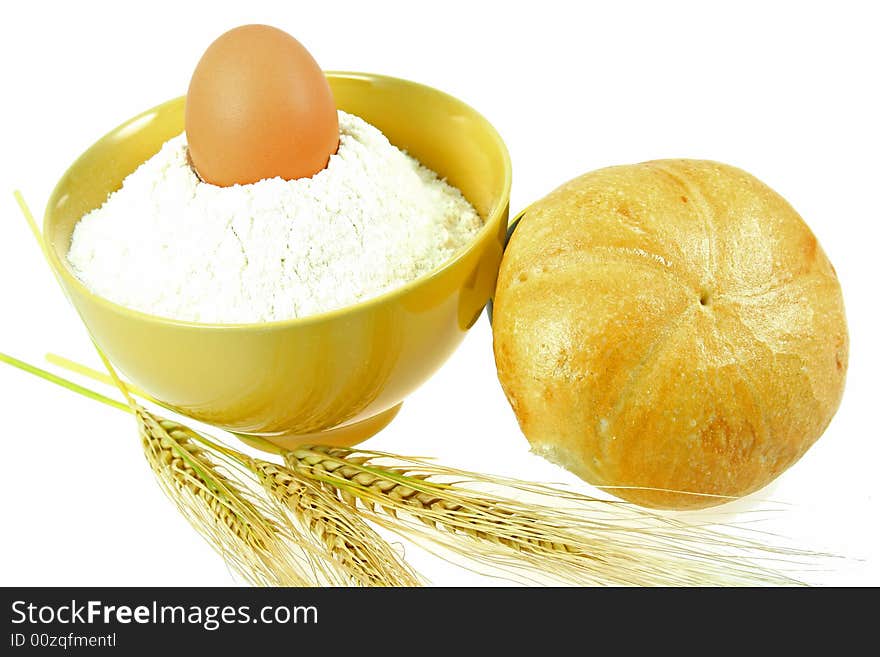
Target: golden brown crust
{"type": "Point", "coordinates": [671, 325]}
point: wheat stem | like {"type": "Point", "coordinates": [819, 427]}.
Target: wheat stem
{"type": "Point", "coordinates": [64, 383]}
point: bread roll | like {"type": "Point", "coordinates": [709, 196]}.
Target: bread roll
{"type": "Point", "coordinates": [669, 326]}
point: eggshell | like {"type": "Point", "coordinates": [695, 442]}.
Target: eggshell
{"type": "Point", "coordinates": [259, 106]}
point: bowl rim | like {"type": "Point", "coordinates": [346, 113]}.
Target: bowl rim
{"type": "Point", "coordinates": [494, 216]}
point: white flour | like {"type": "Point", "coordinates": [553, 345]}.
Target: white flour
{"type": "Point", "coordinates": [170, 245]}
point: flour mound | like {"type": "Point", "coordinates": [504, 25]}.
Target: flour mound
{"type": "Point", "coordinates": [168, 244]}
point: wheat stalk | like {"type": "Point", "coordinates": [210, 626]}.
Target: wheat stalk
{"type": "Point", "coordinates": [222, 494]}
{"type": "Point", "coordinates": [556, 533]}
{"type": "Point", "coordinates": [575, 539]}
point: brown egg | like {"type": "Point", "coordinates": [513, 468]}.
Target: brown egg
{"type": "Point", "coordinates": [259, 106]}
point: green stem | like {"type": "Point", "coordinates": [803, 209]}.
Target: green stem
{"type": "Point", "coordinates": [97, 396]}
{"type": "Point", "coordinates": [64, 383]}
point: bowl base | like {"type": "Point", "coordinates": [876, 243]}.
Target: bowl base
{"type": "Point", "coordinates": [345, 436]}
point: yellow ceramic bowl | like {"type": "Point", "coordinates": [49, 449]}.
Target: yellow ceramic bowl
{"type": "Point", "coordinates": [333, 378]}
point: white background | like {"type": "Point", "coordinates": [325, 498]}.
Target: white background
{"type": "Point", "coordinates": [788, 91]}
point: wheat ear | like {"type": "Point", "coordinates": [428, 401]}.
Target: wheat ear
{"type": "Point", "coordinates": [567, 537]}
{"type": "Point", "coordinates": [357, 548]}
{"type": "Point", "coordinates": [250, 536]}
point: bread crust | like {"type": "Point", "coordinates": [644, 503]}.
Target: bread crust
{"type": "Point", "coordinates": [669, 326]}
